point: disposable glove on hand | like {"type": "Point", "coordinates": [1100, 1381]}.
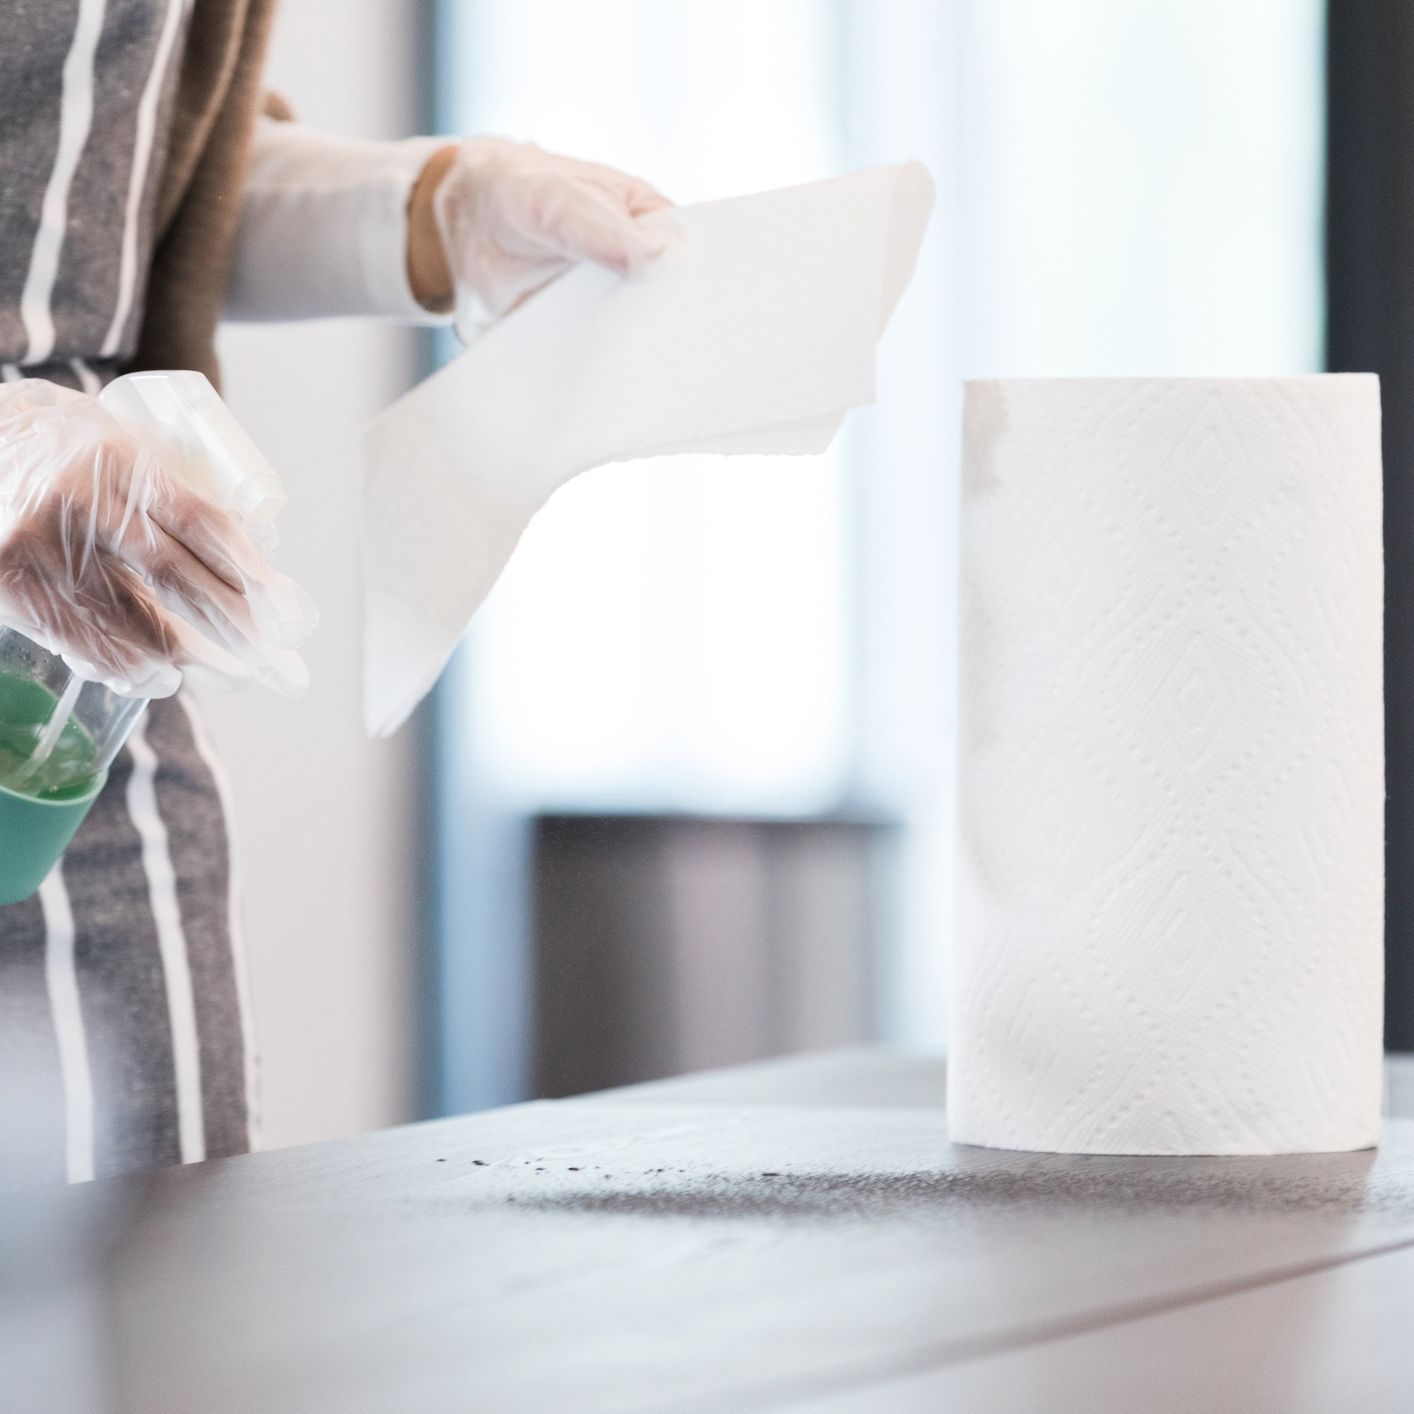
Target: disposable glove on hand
{"type": "Point", "coordinates": [512, 217]}
{"type": "Point", "coordinates": [108, 560]}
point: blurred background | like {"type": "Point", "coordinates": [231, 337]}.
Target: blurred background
{"type": "Point", "coordinates": [683, 798]}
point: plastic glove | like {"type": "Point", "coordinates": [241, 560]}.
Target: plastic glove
{"type": "Point", "coordinates": [512, 217]}
{"type": "Point", "coordinates": [103, 554]}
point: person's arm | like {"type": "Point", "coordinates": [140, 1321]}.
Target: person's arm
{"type": "Point", "coordinates": [404, 230]}
{"type": "Point", "coordinates": [429, 273]}
{"type": "Point", "coordinates": [324, 227]}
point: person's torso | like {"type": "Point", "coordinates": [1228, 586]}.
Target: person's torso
{"type": "Point", "coordinates": [86, 94]}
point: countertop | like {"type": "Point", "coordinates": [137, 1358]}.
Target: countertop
{"type": "Point", "coordinates": [796, 1235]}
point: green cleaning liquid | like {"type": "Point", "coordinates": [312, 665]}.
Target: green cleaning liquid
{"type": "Point", "coordinates": [40, 806]}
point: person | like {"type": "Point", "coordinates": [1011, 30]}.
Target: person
{"type": "Point", "coordinates": [146, 182]}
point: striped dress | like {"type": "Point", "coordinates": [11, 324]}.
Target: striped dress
{"type": "Point", "coordinates": [124, 1015]}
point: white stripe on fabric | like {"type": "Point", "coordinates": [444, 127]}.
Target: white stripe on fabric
{"type": "Point", "coordinates": [75, 119]}
{"type": "Point", "coordinates": [235, 930]}
{"type": "Point", "coordinates": [89, 381]}
{"type": "Point", "coordinates": [10, 372]}
{"type": "Point", "coordinates": [171, 942]}
{"type": "Point", "coordinates": [137, 176]}
{"type": "Point", "coordinates": [63, 984]}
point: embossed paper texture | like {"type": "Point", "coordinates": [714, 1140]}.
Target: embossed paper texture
{"type": "Point", "coordinates": [1170, 769]}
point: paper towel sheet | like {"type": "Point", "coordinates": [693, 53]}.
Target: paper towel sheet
{"type": "Point", "coordinates": [1171, 771]}
{"type": "Point", "coordinates": [755, 334]}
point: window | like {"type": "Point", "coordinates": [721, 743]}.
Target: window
{"type": "Point", "coordinates": [1123, 189]}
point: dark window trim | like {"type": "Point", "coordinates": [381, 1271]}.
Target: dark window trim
{"type": "Point", "coordinates": [1370, 328]}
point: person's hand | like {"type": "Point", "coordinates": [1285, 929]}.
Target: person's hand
{"type": "Point", "coordinates": [102, 553]}
{"type": "Point", "coordinates": [492, 221]}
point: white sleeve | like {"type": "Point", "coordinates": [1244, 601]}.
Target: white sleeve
{"type": "Point", "coordinates": [323, 227]}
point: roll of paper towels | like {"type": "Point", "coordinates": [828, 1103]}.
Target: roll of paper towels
{"type": "Point", "coordinates": [1171, 767]}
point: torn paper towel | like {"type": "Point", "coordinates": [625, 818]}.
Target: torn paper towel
{"type": "Point", "coordinates": [1170, 928]}
{"type": "Point", "coordinates": [755, 334]}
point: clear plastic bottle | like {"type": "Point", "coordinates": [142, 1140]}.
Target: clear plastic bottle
{"type": "Point", "coordinates": [58, 736]}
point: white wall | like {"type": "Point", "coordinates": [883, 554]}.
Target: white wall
{"type": "Point", "coordinates": [323, 815]}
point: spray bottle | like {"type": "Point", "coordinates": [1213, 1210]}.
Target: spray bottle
{"type": "Point", "coordinates": [59, 733]}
